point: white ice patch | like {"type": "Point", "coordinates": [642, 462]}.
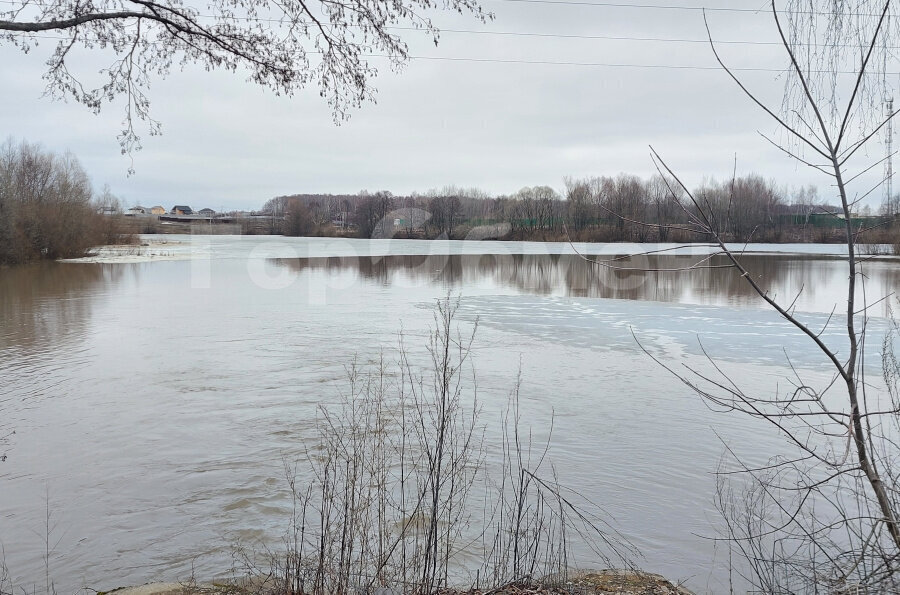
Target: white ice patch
{"type": "Point", "coordinates": [146, 251]}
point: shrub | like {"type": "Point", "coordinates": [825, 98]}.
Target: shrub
{"type": "Point", "coordinates": [45, 206]}
{"type": "Point", "coordinates": [400, 497]}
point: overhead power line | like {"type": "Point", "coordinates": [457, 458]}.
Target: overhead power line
{"type": "Point", "coordinates": [476, 59]}
{"type": "Point", "coordinates": [628, 38]}
{"type": "Point", "coordinates": [641, 6]}
{"type": "Point", "coordinates": [765, 10]}
{"type": "Point", "coordinates": [579, 63]}
{"type": "Point", "coordinates": [597, 4]}
{"type": "Point", "coordinates": [482, 60]}
{"type": "Point", "coordinates": [618, 65]}
{"type": "Point", "coordinates": [442, 30]}
{"type": "Point", "coordinates": [540, 34]}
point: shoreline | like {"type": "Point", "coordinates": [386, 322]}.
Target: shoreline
{"type": "Point", "coordinates": [153, 248]}
{"type": "Point", "coordinates": [586, 582]}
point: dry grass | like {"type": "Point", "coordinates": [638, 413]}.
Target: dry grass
{"type": "Point", "coordinates": [604, 582]}
{"type": "Point", "coordinates": [625, 582]}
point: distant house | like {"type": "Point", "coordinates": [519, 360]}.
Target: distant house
{"type": "Point", "coordinates": [137, 211]}
{"type": "Point", "coordinates": [207, 212]}
{"type": "Point", "coordinates": [181, 210]}
{"type": "Point", "coordinates": [157, 210]}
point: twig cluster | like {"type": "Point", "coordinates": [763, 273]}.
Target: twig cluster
{"type": "Point", "coordinates": [401, 499]}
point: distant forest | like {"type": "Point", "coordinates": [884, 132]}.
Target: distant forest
{"type": "Point", "coordinates": [624, 208]}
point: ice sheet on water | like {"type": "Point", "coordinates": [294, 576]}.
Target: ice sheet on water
{"type": "Point", "coordinates": [194, 246]}
{"type": "Point", "coordinates": [671, 330]}
{"type": "Point", "coordinates": [149, 250]}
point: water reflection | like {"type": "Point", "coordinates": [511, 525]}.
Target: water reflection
{"type": "Point", "coordinates": [45, 305]}
{"type": "Point", "coordinates": [820, 282]}
{"type": "Point", "coordinates": [158, 411]}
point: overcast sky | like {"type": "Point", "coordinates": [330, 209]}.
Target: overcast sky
{"type": "Point", "coordinates": [228, 144]}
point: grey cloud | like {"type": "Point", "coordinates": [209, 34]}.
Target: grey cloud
{"type": "Point", "coordinates": [227, 144]}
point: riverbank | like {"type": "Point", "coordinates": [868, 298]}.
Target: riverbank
{"type": "Point", "coordinates": [298, 253]}
{"type": "Point", "coordinates": [834, 233]}
{"type": "Point", "coordinates": [602, 582]}
{"type": "Point", "coordinates": [143, 250]}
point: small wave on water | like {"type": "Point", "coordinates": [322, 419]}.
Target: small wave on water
{"type": "Point", "coordinates": [154, 415]}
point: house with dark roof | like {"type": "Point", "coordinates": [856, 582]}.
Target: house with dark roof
{"type": "Point", "coordinates": [181, 210]}
{"type": "Point", "coordinates": [207, 212]}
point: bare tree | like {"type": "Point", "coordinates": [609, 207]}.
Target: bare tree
{"type": "Point", "coordinates": [298, 221]}
{"type": "Point", "coordinates": [445, 211]}
{"type": "Point", "coordinates": [823, 516]}
{"type": "Point", "coordinates": [806, 202]}
{"type": "Point", "coordinates": [284, 46]}
{"type": "Point", "coordinates": [625, 198]}
{"type": "Point", "coordinates": [664, 206]}
{"type": "Point", "coordinates": [401, 497]}
{"type": "Point", "coordinates": [578, 203]}
{"type": "Point", "coordinates": [46, 208]}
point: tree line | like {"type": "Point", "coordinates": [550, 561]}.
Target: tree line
{"type": "Point", "coordinates": [602, 209]}
{"type": "Point", "coordinates": [48, 208]}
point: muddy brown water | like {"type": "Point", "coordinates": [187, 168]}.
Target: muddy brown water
{"type": "Point", "coordinates": [153, 402]}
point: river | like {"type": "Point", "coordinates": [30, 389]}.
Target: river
{"type": "Point", "coordinates": [154, 394]}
